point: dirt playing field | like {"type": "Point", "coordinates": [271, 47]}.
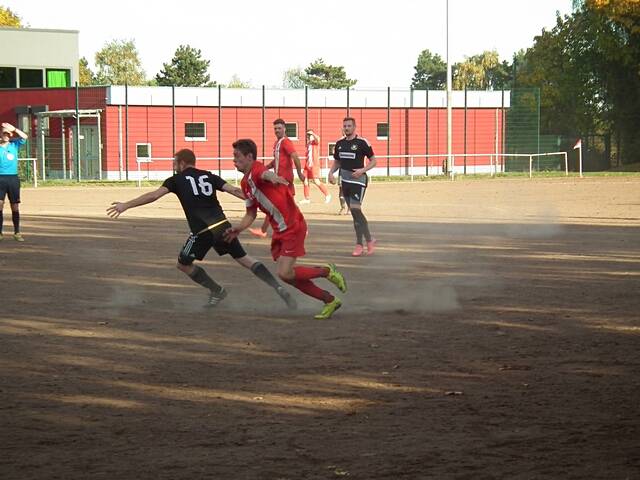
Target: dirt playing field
{"type": "Point", "coordinates": [494, 334]}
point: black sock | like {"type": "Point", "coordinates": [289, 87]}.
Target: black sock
{"type": "Point", "coordinates": [15, 216]}
{"type": "Point", "coordinates": [201, 277]}
{"type": "Point", "coordinates": [1, 221]}
{"type": "Point", "coordinates": [260, 271]}
{"type": "Point", "coordinates": [361, 224]}
{"type": "Point", "coordinates": [357, 225]}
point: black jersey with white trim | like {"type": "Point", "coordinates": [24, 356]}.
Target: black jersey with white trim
{"type": "Point", "coordinates": [196, 190]}
{"type": "Point", "coordinates": [351, 153]}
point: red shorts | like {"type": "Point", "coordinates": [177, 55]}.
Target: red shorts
{"type": "Point", "coordinates": [289, 243]}
{"type": "Point", "coordinates": [312, 172]}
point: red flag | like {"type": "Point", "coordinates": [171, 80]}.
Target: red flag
{"type": "Point", "coordinates": [578, 144]}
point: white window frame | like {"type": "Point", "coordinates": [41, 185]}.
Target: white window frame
{"type": "Point", "coordinates": [297, 131]}
{"type": "Point", "coordinates": [148, 151]}
{"type": "Point", "coordinates": [196, 139]}
{"type": "Point", "coordinates": [386, 137]}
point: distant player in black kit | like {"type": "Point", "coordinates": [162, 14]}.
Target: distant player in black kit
{"type": "Point", "coordinates": [196, 190]}
{"type": "Point", "coordinates": [349, 154]}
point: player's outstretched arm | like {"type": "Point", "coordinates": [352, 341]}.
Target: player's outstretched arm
{"type": "Point", "coordinates": [235, 191]}
{"type": "Point", "coordinates": [117, 208]}
{"type": "Point", "coordinates": [270, 176]}
{"type": "Point", "coordinates": [245, 223]}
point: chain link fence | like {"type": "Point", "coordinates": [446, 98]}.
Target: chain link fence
{"type": "Point", "coordinates": [131, 133]}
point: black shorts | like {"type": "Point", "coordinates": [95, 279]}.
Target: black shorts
{"type": "Point", "coordinates": [353, 193]}
{"type": "Point", "coordinates": [10, 186]}
{"type": "Point", "coordinates": [197, 246]}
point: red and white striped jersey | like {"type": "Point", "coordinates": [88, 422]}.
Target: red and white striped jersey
{"type": "Point", "coordinates": [275, 200]}
{"type": "Point", "coordinates": [282, 162]}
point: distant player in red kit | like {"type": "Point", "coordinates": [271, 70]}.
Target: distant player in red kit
{"type": "Point", "coordinates": [284, 157]}
{"type": "Point", "coordinates": [312, 169]}
{"type": "Point", "coordinates": [265, 190]}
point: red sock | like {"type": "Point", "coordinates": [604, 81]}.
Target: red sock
{"type": "Point", "coordinates": [307, 273]}
{"type": "Point", "coordinates": [305, 188]}
{"type": "Point", "coordinates": [308, 287]}
{"type": "Point", "coordinates": [323, 189]}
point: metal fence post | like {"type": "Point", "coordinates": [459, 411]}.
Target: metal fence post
{"type": "Point", "coordinates": [388, 130]}
{"type": "Point", "coordinates": [173, 118]}
{"type": "Point", "coordinates": [465, 129]}
{"type": "Point", "coordinates": [264, 112]}
{"type": "Point", "coordinates": [219, 129]}
{"type": "Point", "coordinates": [77, 139]}
{"type": "Point", "coordinates": [426, 130]}
{"type": "Point", "coordinates": [126, 131]}
{"type": "Point", "coordinates": [306, 110]}
{"type": "Point", "coordinates": [348, 103]}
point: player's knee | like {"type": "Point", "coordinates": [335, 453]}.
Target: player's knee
{"type": "Point", "coordinates": [182, 267]}
{"type": "Point", "coordinates": [287, 276]}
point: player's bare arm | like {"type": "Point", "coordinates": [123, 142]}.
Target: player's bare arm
{"type": "Point", "coordinates": [334, 168]}
{"type": "Point", "coordinates": [270, 176]}
{"type": "Point", "coordinates": [296, 161]}
{"type": "Point", "coordinates": [118, 208]}
{"type": "Point", "coordinates": [245, 223]}
{"type": "Point", "coordinates": [235, 191]}
{"type": "Point", "coordinates": [361, 171]}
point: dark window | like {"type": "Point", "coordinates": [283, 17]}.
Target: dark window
{"type": "Point", "coordinates": [8, 77]}
{"type": "Point", "coordinates": [195, 130]}
{"type": "Point", "coordinates": [143, 150]}
{"type": "Point", "coordinates": [382, 130]}
{"type": "Point", "coordinates": [30, 78]}
{"type": "Point", "coordinates": [332, 148]}
{"type": "Point", "coordinates": [291, 130]}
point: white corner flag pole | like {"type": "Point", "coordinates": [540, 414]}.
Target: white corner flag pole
{"type": "Point", "coordinates": [578, 146]}
{"type": "Point", "coordinates": [580, 158]}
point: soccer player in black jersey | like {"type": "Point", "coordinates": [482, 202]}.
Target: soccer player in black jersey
{"type": "Point", "coordinates": [348, 157]}
{"type": "Point", "coordinates": [196, 190]}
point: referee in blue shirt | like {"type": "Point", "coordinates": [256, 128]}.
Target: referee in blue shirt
{"type": "Point", "coordinates": [9, 181]}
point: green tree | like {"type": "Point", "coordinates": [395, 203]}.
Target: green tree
{"type": "Point", "coordinates": [87, 77]}
{"type": "Point", "coordinates": [293, 78]}
{"type": "Point", "coordinates": [236, 82]}
{"type": "Point", "coordinates": [587, 69]}
{"type": "Point", "coordinates": [186, 69]}
{"type": "Point", "coordinates": [430, 72]}
{"type": "Point", "coordinates": [9, 18]}
{"type": "Point", "coordinates": [118, 63]}
{"type": "Point", "coordinates": [482, 72]}
{"type": "Point", "coordinates": [321, 75]}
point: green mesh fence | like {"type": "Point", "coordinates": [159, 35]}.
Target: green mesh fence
{"type": "Point", "coordinates": [522, 128]}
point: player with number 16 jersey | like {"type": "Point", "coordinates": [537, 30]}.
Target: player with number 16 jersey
{"type": "Point", "coordinates": [196, 189]}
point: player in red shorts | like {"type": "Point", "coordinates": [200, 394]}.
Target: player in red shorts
{"type": "Point", "coordinates": [312, 169]}
{"type": "Point", "coordinates": [265, 190]}
{"type": "Point", "coordinates": [284, 157]}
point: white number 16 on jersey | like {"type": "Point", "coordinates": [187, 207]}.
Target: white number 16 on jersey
{"type": "Point", "coordinates": [205, 186]}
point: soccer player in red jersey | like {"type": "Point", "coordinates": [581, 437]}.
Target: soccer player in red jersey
{"type": "Point", "coordinates": [312, 169]}
{"type": "Point", "coordinates": [284, 157]}
{"type": "Point", "coordinates": [269, 192]}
